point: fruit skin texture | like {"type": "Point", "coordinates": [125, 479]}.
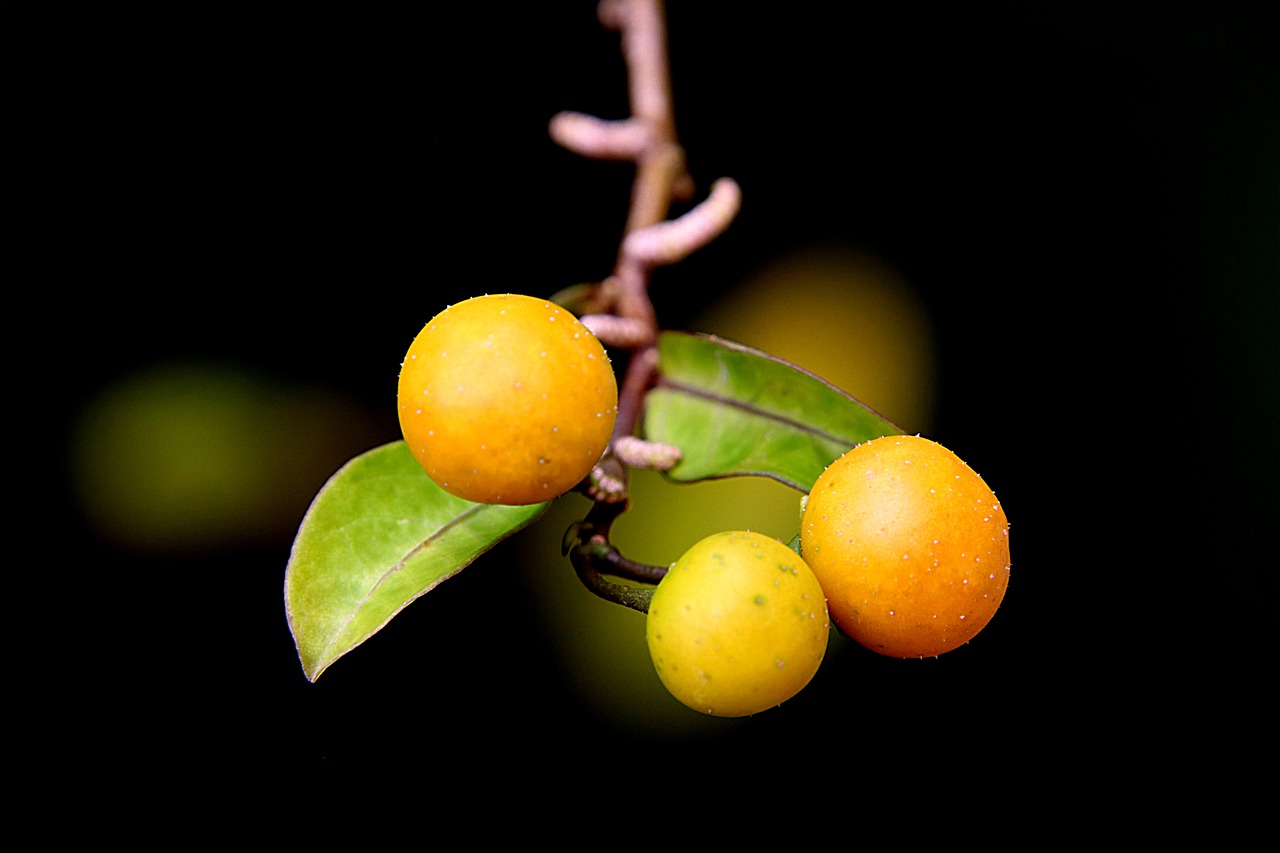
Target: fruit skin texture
{"type": "Point", "coordinates": [507, 399]}
{"type": "Point", "coordinates": [910, 545]}
{"type": "Point", "coordinates": [737, 625]}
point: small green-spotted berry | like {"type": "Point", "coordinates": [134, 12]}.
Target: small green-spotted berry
{"type": "Point", "coordinates": [737, 625]}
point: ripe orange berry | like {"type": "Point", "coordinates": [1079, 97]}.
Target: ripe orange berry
{"type": "Point", "coordinates": [507, 399]}
{"type": "Point", "coordinates": [910, 545]}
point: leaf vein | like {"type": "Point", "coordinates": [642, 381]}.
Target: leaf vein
{"type": "Point", "coordinates": [399, 565]}
{"type": "Point", "coordinates": [791, 423]}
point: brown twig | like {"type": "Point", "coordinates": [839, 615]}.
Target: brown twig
{"type": "Point", "coordinates": [626, 319]}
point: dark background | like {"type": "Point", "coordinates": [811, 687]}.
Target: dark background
{"type": "Point", "coordinates": [1085, 196]}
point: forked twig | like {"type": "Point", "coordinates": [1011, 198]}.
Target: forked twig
{"type": "Point", "coordinates": [622, 313]}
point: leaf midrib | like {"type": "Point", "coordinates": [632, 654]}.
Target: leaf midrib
{"type": "Point", "coordinates": [730, 402]}
{"type": "Point", "coordinates": [399, 566]}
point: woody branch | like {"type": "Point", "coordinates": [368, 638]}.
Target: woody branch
{"type": "Point", "coordinates": [623, 316]}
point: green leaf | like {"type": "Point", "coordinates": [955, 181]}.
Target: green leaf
{"type": "Point", "coordinates": [733, 410]}
{"type": "Point", "coordinates": [379, 534]}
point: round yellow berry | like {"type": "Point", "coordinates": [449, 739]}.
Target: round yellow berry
{"type": "Point", "coordinates": [737, 625]}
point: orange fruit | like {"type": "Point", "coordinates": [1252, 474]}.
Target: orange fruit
{"type": "Point", "coordinates": [507, 399]}
{"type": "Point", "coordinates": [909, 544]}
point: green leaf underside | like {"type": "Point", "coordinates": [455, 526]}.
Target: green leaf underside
{"type": "Point", "coordinates": [378, 535]}
{"type": "Point", "coordinates": [734, 411]}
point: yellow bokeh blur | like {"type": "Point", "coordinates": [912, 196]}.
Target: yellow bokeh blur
{"type": "Point", "coordinates": [844, 314]}
{"type": "Point", "coordinates": [836, 311]}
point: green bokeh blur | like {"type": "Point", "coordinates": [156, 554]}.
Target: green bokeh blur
{"type": "Point", "coordinates": [198, 457]}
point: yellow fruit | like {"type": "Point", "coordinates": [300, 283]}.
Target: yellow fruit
{"type": "Point", "coordinates": [507, 399]}
{"type": "Point", "coordinates": [737, 625]}
{"type": "Point", "coordinates": [909, 544]}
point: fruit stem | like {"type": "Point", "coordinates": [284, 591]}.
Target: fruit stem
{"type": "Point", "coordinates": [593, 556]}
{"type": "Point", "coordinates": [636, 381]}
{"type": "Point", "coordinates": [635, 597]}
